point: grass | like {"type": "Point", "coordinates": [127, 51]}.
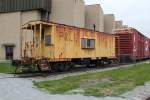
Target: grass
{"type": "Point", "coordinates": [108, 83]}
{"type": "Point", "coordinates": [6, 68]}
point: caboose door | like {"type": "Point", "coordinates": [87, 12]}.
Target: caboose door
{"type": "Point", "coordinates": [46, 41]}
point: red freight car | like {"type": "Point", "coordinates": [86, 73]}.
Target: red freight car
{"type": "Point", "coordinates": [131, 45]}
{"type": "Point", "coordinates": [146, 47]}
{"type": "Point", "coordinates": [149, 48]}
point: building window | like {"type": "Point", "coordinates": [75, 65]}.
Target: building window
{"type": "Point", "coordinates": [9, 50]}
{"type": "Point", "coordinates": [47, 40]}
{"type": "Point", "coordinates": [87, 43]}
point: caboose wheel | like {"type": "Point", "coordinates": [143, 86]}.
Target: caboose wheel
{"type": "Point", "coordinates": [61, 67]}
{"type": "Point", "coordinates": [64, 66]}
{"type": "Point", "coordinates": [54, 67]}
{"type": "Point", "coordinates": [99, 63]}
{"type": "Point", "coordinates": [67, 66]}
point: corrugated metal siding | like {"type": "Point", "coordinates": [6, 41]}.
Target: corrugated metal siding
{"type": "Point", "coordinates": [23, 5]}
{"type": "Point", "coordinates": [149, 48]}
{"type": "Point", "coordinates": [132, 43]}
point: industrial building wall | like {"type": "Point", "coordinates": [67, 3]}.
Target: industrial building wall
{"type": "Point", "coordinates": [109, 23]}
{"type": "Point", "coordinates": [79, 13]}
{"type": "Point", "coordinates": [10, 33]}
{"type": "Point", "coordinates": [29, 16]}
{"type": "Point", "coordinates": [10, 30]}
{"type": "Point", "coordinates": [69, 12]}
{"type": "Point", "coordinates": [24, 5]}
{"type": "Point", "coordinates": [94, 16]}
{"type": "Point", "coordinates": [125, 26]}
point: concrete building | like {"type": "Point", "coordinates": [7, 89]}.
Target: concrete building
{"type": "Point", "coordinates": [10, 31]}
{"type": "Point", "coordinates": [94, 17]}
{"type": "Point", "coordinates": [118, 24]}
{"type": "Point", "coordinates": [125, 26]}
{"type": "Point", "coordinates": [109, 23]}
{"type": "Point", "coordinates": [70, 12]}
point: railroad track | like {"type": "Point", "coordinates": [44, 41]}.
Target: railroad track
{"type": "Point", "coordinates": [74, 71]}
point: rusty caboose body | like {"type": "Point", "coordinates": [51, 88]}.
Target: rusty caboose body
{"type": "Point", "coordinates": [57, 46]}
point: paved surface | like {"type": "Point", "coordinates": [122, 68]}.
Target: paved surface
{"type": "Point", "coordinates": [139, 93]}
{"type": "Point", "coordinates": [22, 89]}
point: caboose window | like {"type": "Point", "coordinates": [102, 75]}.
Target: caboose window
{"type": "Point", "coordinates": [83, 43]}
{"type": "Point", "coordinates": [92, 43]}
{"type": "Point", "coordinates": [87, 43]}
{"type": "Point", "coordinates": [47, 40]}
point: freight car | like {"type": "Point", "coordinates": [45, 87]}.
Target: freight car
{"type": "Point", "coordinates": [59, 47]}
{"type": "Point", "coordinates": [131, 45]}
{"type": "Point", "coordinates": [149, 48]}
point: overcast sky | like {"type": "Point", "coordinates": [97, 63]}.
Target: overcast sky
{"type": "Point", "coordinates": [135, 13]}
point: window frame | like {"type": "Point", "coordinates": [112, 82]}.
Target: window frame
{"type": "Point", "coordinates": [49, 39]}
{"type": "Point", "coordinates": [87, 43]}
{"type": "Point", "coordinates": [92, 46]}
{"type": "Point", "coordinates": [83, 43]}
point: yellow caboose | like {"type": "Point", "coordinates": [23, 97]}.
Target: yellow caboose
{"type": "Point", "coordinates": [57, 46]}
